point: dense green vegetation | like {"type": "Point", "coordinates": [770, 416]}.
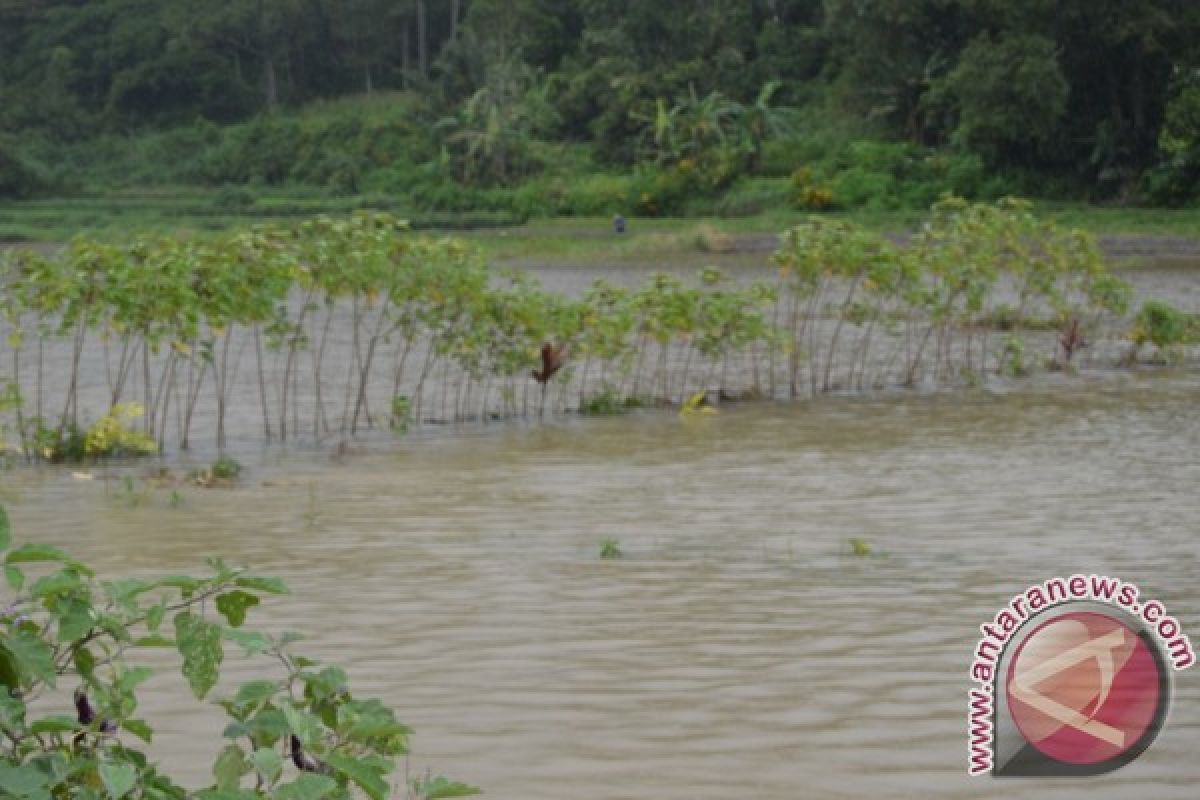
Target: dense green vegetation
{"type": "Point", "coordinates": [428, 332]}
{"type": "Point", "coordinates": [592, 107]}
{"type": "Point", "coordinates": [68, 639]}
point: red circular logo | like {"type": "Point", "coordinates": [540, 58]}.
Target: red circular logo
{"type": "Point", "coordinates": [1084, 688]}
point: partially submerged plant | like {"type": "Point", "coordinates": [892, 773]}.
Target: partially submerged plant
{"type": "Point", "coordinates": [222, 473]}
{"type": "Point", "coordinates": [1162, 325]}
{"type": "Point", "coordinates": [606, 402]}
{"type": "Point", "coordinates": [697, 404]}
{"type": "Point", "coordinates": [401, 413]}
{"type": "Point", "coordinates": [611, 548]}
{"type": "Point", "coordinates": [71, 641]}
{"type": "Point", "coordinates": [332, 318]}
{"type": "Point", "coordinates": [1012, 357]}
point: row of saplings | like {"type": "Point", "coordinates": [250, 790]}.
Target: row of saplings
{"type": "Point", "coordinates": [325, 318]}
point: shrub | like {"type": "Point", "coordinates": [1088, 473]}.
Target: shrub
{"type": "Point", "coordinates": [594, 195]}
{"type": "Point", "coordinates": [112, 436]}
{"type": "Point", "coordinates": [71, 641]}
{"type": "Point", "coordinates": [1162, 325]}
{"type": "Point", "coordinates": [755, 196]}
{"type": "Point", "coordinates": [859, 187]}
{"type": "Point", "coordinates": [606, 402]}
{"type": "Point", "coordinates": [610, 549]}
{"type": "Point", "coordinates": [810, 195]}
{"type": "Point", "coordinates": [19, 178]}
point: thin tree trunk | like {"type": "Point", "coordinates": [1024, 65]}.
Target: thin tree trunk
{"type": "Point", "coordinates": [422, 39]}
{"type": "Point", "coordinates": [270, 83]}
{"type": "Point", "coordinates": [262, 383]}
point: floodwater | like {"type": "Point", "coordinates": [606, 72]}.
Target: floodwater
{"type": "Point", "coordinates": [738, 649]}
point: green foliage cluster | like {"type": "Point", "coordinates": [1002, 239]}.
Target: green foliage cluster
{"type": "Point", "coordinates": [68, 639]}
{"type": "Point", "coordinates": [611, 549]}
{"type": "Point", "coordinates": [932, 295]}
{"type": "Point", "coordinates": [179, 312]}
{"type": "Point", "coordinates": [442, 337]}
{"type": "Point", "coordinates": [878, 176]}
{"type": "Point", "coordinates": [462, 97]}
{"type": "Point", "coordinates": [1164, 326]}
{"type": "Point", "coordinates": [18, 177]}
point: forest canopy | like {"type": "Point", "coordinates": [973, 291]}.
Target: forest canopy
{"type": "Point", "coordinates": [1099, 96]}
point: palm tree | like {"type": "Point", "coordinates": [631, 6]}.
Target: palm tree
{"type": "Point", "coordinates": [762, 121]}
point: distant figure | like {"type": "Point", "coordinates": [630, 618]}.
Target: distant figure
{"type": "Point", "coordinates": [619, 224]}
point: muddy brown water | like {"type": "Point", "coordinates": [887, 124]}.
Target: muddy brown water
{"type": "Point", "coordinates": [738, 649]}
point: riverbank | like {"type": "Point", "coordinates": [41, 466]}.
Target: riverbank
{"type": "Point", "coordinates": [1125, 233]}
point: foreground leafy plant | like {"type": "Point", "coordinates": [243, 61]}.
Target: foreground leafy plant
{"type": "Point", "coordinates": [67, 638]}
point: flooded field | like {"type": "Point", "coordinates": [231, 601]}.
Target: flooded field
{"type": "Point", "coordinates": [738, 649]}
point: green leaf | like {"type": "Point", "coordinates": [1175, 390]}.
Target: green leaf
{"type": "Point", "coordinates": [140, 729]}
{"type": "Point", "coordinates": [26, 781]}
{"type": "Point", "coordinates": [235, 730]}
{"type": "Point", "coordinates": [85, 662]}
{"type": "Point", "coordinates": [306, 787]}
{"type": "Point", "coordinates": [440, 787]}
{"type": "Point", "coordinates": [55, 723]}
{"type": "Point", "coordinates": [233, 606]}
{"type": "Point", "coordinates": [268, 727]}
{"type": "Point", "coordinates": [199, 642]}
{"type": "Point", "coordinates": [43, 552]}
{"type": "Point", "coordinates": [251, 693]}
{"type": "Point", "coordinates": [132, 677]}
{"type": "Point", "coordinates": [154, 641]}
{"type": "Point", "coordinates": [184, 583]}
{"type": "Point", "coordinates": [14, 576]}
{"type": "Point", "coordinates": [124, 592]}
{"type": "Point", "coordinates": [65, 580]}
{"type": "Point", "coordinates": [154, 616]}
{"type": "Point", "coordinates": [367, 777]}
{"type": "Point", "coordinates": [268, 763]}
{"type": "Point", "coordinates": [304, 725]}
{"type": "Point", "coordinates": [268, 585]}
{"type": "Point", "coordinates": [12, 712]}
{"type": "Point", "coordinates": [31, 656]}
{"type": "Point", "coordinates": [5, 530]}
{"type": "Point", "coordinates": [76, 620]}
{"type": "Point", "coordinates": [252, 642]}
{"type": "Point", "coordinates": [229, 767]}
{"type": "Point", "coordinates": [118, 779]}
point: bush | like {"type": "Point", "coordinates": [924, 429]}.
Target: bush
{"type": "Point", "coordinates": [667, 192]}
{"type": "Point", "coordinates": [263, 150]}
{"type": "Point", "coordinates": [596, 195]}
{"type": "Point", "coordinates": [808, 194]}
{"type": "Point", "coordinates": [19, 178]}
{"type": "Point", "coordinates": [69, 641]}
{"type": "Point", "coordinates": [1164, 326]}
{"type": "Point", "coordinates": [754, 196]}
{"type": "Point", "coordinates": [859, 187]}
